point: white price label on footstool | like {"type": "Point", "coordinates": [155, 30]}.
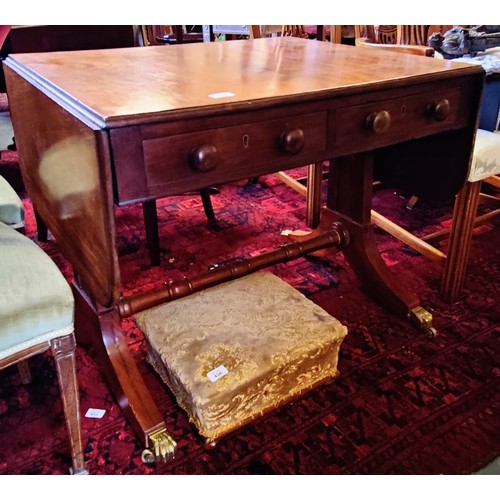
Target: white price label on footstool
{"type": "Point", "coordinates": [217, 373]}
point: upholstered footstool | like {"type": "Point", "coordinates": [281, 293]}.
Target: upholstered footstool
{"type": "Point", "coordinates": [235, 351]}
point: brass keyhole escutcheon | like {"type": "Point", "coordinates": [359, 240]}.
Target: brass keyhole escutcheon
{"type": "Point", "coordinates": [246, 141]}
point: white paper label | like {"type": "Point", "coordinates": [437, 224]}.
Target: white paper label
{"type": "Point", "coordinates": [217, 373]}
{"type": "Point", "coordinates": [95, 413]}
{"type": "Point", "coordinates": [220, 95]}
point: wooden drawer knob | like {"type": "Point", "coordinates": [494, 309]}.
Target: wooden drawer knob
{"type": "Point", "coordinates": [439, 111]}
{"type": "Point", "coordinates": [378, 122]}
{"type": "Point", "coordinates": [292, 142]}
{"type": "Point", "coordinates": [204, 158]}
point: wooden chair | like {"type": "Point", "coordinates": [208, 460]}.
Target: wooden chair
{"type": "Point", "coordinates": [294, 30]}
{"type": "Point", "coordinates": [165, 35]}
{"type": "Point", "coordinates": [386, 37]}
{"type": "Point", "coordinates": [168, 34]}
{"type": "Point", "coordinates": [485, 167]}
{"type": "Point", "coordinates": [410, 39]}
{"type": "Point", "coordinates": [315, 171]}
{"type": "Point", "coordinates": [311, 185]}
{"type": "Point", "coordinates": [36, 314]}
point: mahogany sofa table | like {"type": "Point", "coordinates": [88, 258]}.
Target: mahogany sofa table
{"type": "Point", "coordinates": [93, 131]}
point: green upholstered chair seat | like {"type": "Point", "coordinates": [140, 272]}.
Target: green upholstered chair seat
{"type": "Point", "coordinates": [11, 206]}
{"type": "Point", "coordinates": [36, 303]}
{"type": "Point", "coordinates": [486, 157]}
{"type": "Point", "coordinates": [232, 352]}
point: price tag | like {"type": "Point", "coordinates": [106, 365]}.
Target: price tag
{"type": "Point", "coordinates": [217, 373]}
{"type": "Point", "coordinates": [95, 413]}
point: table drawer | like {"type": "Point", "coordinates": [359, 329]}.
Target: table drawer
{"type": "Point", "coordinates": [188, 161]}
{"type": "Point", "coordinates": [388, 121]}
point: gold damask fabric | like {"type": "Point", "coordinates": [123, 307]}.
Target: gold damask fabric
{"type": "Point", "coordinates": [232, 352]}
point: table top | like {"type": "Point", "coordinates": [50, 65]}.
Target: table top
{"type": "Point", "coordinates": [124, 86]}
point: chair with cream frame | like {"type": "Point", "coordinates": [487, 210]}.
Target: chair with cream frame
{"type": "Point", "coordinates": [485, 167]}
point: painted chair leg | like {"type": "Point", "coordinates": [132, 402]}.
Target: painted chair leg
{"type": "Point", "coordinates": [63, 350]}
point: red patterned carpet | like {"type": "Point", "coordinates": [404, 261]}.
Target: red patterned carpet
{"type": "Point", "coordinates": [403, 403]}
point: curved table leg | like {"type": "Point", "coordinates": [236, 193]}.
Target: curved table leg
{"type": "Point", "coordinates": [102, 331]}
{"type": "Point", "coordinates": [349, 197]}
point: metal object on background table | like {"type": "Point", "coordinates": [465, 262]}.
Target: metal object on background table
{"type": "Point", "coordinates": [489, 113]}
{"type": "Point", "coordinates": [460, 41]}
